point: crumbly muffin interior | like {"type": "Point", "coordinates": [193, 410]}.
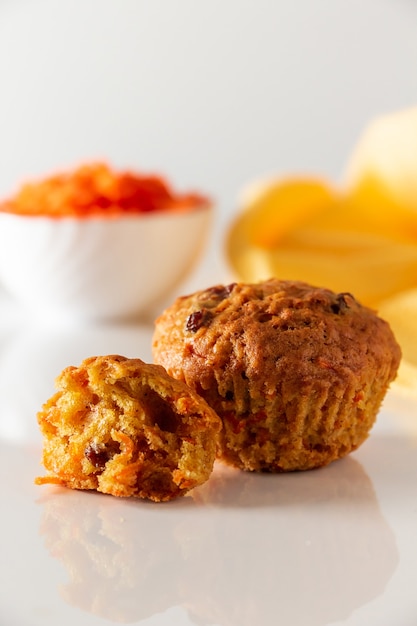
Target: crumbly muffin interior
{"type": "Point", "coordinates": [124, 427]}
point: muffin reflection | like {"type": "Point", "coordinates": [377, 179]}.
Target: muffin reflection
{"type": "Point", "coordinates": [244, 549]}
{"type": "Point", "coordinates": [324, 552]}
{"type": "Point", "coordinates": [114, 571]}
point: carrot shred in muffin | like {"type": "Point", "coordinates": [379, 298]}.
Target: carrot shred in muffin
{"type": "Point", "coordinates": [94, 189]}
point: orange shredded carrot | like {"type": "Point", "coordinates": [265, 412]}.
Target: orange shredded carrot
{"type": "Point", "coordinates": [48, 480]}
{"type": "Point", "coordinates": [95, 189]}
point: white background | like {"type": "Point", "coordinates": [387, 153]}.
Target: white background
{"type": "Point", "coordinates": [212, 94]}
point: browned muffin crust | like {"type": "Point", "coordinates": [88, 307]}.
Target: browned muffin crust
{"type": "Point", "coordinates": [124, 427]}
{"type": "Point", "coordinates": [296, 373]}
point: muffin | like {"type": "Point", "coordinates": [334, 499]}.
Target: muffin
{"type": "Point", "coordinates": [126, 428]}
{"type": "Point", "coordinates": [297, 373]}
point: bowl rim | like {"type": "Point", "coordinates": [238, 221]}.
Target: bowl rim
{"type": "Point", "coordinates": [113, 217]}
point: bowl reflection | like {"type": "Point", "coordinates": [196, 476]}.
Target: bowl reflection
{"type": "Point", "coordinates": [243, 549]}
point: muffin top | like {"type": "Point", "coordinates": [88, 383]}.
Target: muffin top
{"type": "Point", "coordinates": [258, 336]}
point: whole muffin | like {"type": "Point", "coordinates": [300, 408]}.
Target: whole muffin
{"type": "Point", "coordinates": [297, 373]}
{"type": "Point", "coordinates": [124, 427]}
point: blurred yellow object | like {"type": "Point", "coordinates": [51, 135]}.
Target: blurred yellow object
{"type": "Point", "coordinates": [302, 229]}
{"type": "Point", "coordinates": [280, 206]}
{"type": "Point", "coordinates": [270, 210]}
{"type": "Point", "coordinates": [382, 169]}
{"type": "Point", "coordinates": [401, 313]}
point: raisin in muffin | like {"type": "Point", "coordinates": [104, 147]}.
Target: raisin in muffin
{"type": "Point", "coordinates": [124, 427]}
{"type": "Point", "coordinates": [296, 373]}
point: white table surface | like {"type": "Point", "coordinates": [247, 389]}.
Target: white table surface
{"type": "Point", "coordinates": [331, 546]}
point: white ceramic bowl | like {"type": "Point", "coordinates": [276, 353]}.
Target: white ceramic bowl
{"type": "Point", "coordinates": [99, 268]}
